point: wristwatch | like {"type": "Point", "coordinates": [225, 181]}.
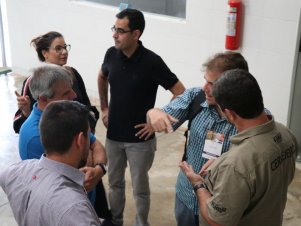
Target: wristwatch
{"type": "Point", "coordinates": [199, 185]}
{"type": "Point", "coordinates": [103, 167]}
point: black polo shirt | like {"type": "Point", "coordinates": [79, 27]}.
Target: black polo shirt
{"type": "Point", "coordinates": [133, 88]}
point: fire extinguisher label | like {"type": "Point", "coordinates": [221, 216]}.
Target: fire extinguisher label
{"type": "Point", "coordinates": [232, 9]}
{"type": "Point", "coordinates": [231, 24]}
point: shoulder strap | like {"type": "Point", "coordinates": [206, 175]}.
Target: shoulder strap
{"type": "Point", "coordinates": [26, 86]}
{"type": "Point", "coordinates": [94, 110]}
{"type": "Point", "coordinates": [194, 108]}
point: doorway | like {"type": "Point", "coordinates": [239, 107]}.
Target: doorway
{"type": "Point", "coordinates": [3, 44]}
{"type": "Point", "coordinates": [294, 122]}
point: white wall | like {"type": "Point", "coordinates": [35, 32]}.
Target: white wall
{"type": "Point", "coordinates": [270, 31]}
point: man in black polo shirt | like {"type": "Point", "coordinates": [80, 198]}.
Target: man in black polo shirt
{"type": "Point", "coordinates": [134, 74]}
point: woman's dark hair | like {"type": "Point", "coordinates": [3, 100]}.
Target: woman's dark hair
{"type": "Point", "coordinates": [43, 42]}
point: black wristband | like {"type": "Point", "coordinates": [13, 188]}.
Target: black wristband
{"type": "Point", "coordinates": [199, 185]}
{"type": "Point", "coordinates": [103, 167]}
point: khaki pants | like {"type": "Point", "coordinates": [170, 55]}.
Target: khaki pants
{"type": "Point", "coordinates": [140, 157]}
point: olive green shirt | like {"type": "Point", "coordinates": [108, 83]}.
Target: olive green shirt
{"type": "Point", "coordinates": [249, 183]}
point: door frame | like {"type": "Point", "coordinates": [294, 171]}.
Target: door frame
{"type": "Point", "coordinates": [294, 116]}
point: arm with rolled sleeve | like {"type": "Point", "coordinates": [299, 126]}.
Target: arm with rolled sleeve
{"type": "Point", "coordinates": [230, 197]}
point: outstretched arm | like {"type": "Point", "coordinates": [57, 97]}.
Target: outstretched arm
{"type": "Point", "coordinates": [160, 120]}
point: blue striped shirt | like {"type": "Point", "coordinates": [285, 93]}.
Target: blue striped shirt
{"type": "Point", "coordinates": [208, 119]}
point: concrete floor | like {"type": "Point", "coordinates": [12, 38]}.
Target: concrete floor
{"type": "Point", "coordinates": [162, 175]}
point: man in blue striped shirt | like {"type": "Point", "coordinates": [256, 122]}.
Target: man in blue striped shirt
{"type": "Point", "coordinates": [209, 131]}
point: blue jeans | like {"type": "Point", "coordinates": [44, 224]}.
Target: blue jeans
{"type": "Point", "coordinates": [92, 196]}
{"type": "Point", "coordinates": [185, 216]}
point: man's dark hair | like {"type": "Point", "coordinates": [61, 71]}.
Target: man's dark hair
{"type": "Point", "coordinates": [221, 62]}
{"type": "Point", "coordinates": [239, 91]}
{"type": "Point", "coordinates": [135, 17]}
{"type": "Point", "coordinates": [60, 123]}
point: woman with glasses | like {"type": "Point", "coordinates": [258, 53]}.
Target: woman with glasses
{"type": "Point", "coordinates": [51, 48]}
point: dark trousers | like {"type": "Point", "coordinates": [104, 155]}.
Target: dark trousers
{"type": "Point", "coordinates": [101, 204]}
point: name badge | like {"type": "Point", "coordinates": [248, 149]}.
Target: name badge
{"type": "Point", "coordinates": [213, 145]}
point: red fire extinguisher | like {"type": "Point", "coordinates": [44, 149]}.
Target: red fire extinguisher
{"type": "Point", "coordinates": [233, 25]}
